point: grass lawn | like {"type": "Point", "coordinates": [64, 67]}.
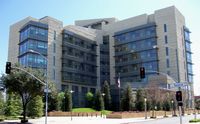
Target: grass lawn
{"type": "Point", "coordinates": [83, 110]}
{"type": "Point", "coordinates": [90, 110]}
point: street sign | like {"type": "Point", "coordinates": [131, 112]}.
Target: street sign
{"type": "Point", "coordinates": [179, 84]}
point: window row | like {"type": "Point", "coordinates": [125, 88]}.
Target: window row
{"type": "Point", "coordinates": [187, 35]}
{"type": "Point", "coordinates": [189, 57]}
{"type": "Point", "coordinates": [79, 66]}
{"type": "Point", "coordinates": [79, 54]}
{"type": "Point", "coordinates": [34, 32]}
{"type": "Point", "coordinates": [188, 46]}
{"type": "Point", "coordinates": [32, 45]}
{"type": "Point", "coordinates": [134, 35]}
{"type": "Point", "coordinates": [33, 60]}
{"type": "Point", "coordinates": [79, 42]}
{"type": "Point", "coordinates": [150, 54]}
{"type": "Point", "coordinates": [79, 78]}
{"type": "Point", "coordinates": [149, 66]}
{"type": "Point", "coordinates": [190, 78]}
{"type": "Point", "coordinates": [189, 67]}
{"type": "Point", "coordinates": [148, 43]}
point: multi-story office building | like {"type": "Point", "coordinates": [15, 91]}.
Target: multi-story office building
{"type": "Point", "coordinates": [82, 56]}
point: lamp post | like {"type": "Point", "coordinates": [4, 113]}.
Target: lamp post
{"type": "Point", "coordinates": [71, 91]}
{"type": "Point", "coordinates": [172, 107]}
{"type": "Point", "coordinates": [46, 85]}
{"type": "Point", "coordinates": [103, 94]}
{"type": "Point", "coordinates": [145, 107]}
{"type": "Point", "coordinates": [155, 110]}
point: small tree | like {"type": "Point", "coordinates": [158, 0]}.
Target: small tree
{"type": "Point", "coordinates": [13, 105]}
{"type": "Point", "coordinates": [99, 104]}
{"type": "Point", "coordinates": [159, 105]}
{"type": "Point", "coordinates": [24, 85]}
{"type": "Point", "coordinates": [166, 105]}
{"type": "Point", "coordinates": [2, 105]}
{"type": "Point", "coordinates": [139, 105]}
{"type": "Point", "coordinates": [35, 107]}
{"type": "Point", "coordinates": [197, 104]}
{"type": "Point", "coordinates": [90, 99]}
{"type": "Point", "coordinates": [67, 102]}
{"type": "Point", "coordinates": [61, 97]}
{"type": "Point", "coordinates": [53, 103]}
{"type": "Point", "coordinates": [127, 100]}
{"type": "Point", "coordinates": [107, 97]}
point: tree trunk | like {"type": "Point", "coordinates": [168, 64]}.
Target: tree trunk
{"type": "Point", "coordinates": [24, 113]}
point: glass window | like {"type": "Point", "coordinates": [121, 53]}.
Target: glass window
{"type": "Point", "coordinates": [165, 28]}
{"type": "Point", "coordinates": [54, 74]}
{"type": "Point", "coordinates": [54, 60]}
{"type": "Point", "coordinates": [167, 51]}
{"type": "Point", "coordinates": [188, 48]}
{"type": "Point", "coordinates": [54, 47]}
{"type": "Point", "coordinates": [167, 62]}
{"type": "Point", "coordinates": [189, 68]}
{"type": "Point", "coordinates": [190, 78]}
{"type": "Point", "coordinates": [41, 45]}
{"type": "Point", "coordinates": [187, 36]}
{"type": "Point", "coordinates": [166, 40]}
{"type": "Point", "coordinates": [189, 57]}
{"type": "Point", "coordinates": [54, 35]}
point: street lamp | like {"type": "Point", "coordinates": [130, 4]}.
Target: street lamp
{"type": "Point", "coordinates": [145, 107]}
{"type": "Point", "coordinates": [172, 107]}
{"type": "Point", "coordinates": [103, 94]}
{"type": "Point", "coordinates": [155, 110]}
{"type": "Point", "coordinates": [46, 85]}
{"type": "Point", "coordinates": [71, 91]}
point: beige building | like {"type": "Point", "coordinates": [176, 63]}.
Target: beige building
{"type": "Point", "coordinates": [82, 56]}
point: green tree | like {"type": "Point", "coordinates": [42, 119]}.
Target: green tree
{"type": "Point", "coordinates": [99, 104]}
{"type": "Point", "coordinates": [159, 105]}
{"type": "Point", "coordinates": [166, 105]}
{"type": "Point", "coordinates": [25, 85]}
{"type": "Point", "coordinates": [53, 100]}
{"type": "Point", "coordinates": [67, 101]}
{"type": "Point", "coordinates": [13, 105]}
{"type": "Point", "coordinates": [107, 97]}
{"type": "Point", "coordinates": [35, 107]}
{"type": "Point", "coordinates": [139, 104]}
{"type": "Point", "coordinates": [127, 100]}
{"type": "Point", "coordinates": [61, 97]}
{"type": "Point", "coordinates": [90, 100]}
{"type": "Point", "coordinates": [2, 104]}
{"type": "Point", "coordinates": [197, 104]}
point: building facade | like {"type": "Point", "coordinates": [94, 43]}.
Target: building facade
{"type": "Point", "coordinates": [83, 56]}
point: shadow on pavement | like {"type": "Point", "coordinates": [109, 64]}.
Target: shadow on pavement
{"type": "Point", "coordinates": [14, 123]}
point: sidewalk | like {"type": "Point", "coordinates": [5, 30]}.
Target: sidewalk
{"type": "Point", "coordinates": [80, 120]}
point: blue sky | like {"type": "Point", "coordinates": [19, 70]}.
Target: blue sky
{"type": "Point", "coordinates": [68, 11]}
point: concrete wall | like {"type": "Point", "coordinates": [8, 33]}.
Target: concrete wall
{"type": "Point", "coordinates": [57, 26]}
{"type": "Point", "coordinates": [174, 21]}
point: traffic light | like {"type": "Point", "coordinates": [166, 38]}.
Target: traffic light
{"type": "Point", "coordinates": [8, 67]}
{"type": "Point", "coordinates": [142, 72]}
{"type": "Point", "coordinates": [178, 96]}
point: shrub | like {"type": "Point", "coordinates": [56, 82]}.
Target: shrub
{"type": "Point", "coordinates": [35, 107]}
{"type": "Point", "coordinates": [194, 120]}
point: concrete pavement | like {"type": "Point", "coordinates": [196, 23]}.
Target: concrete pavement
{"type": "Point", "coordinates": [79, 120]}
{"type": "Point", "coordinates": [100, 120]}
